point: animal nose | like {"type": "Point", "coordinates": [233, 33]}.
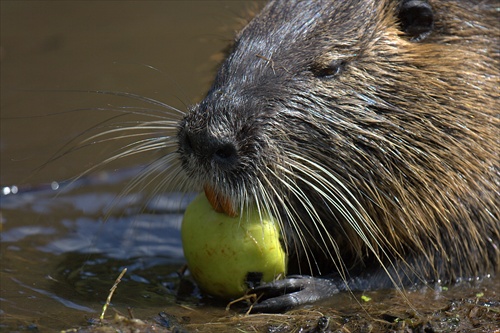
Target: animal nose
{"type": "Point", "coordinates": [207, 148]}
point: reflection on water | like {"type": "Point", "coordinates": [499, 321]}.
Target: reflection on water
{"type": "Point", "coordinates": [140, 228]}
{"type": "Point", "coordinates": [61, 250]}
{"type": "Point", "coordinates": [70, 255]}
{"type": "Point", "coordinates": [63, 243]}
{"type": "Point", "coordinates": [61, 300]}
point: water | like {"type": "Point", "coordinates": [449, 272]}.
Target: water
{"type": "Point", "coordinates": [63, 244]}
{"type": "Point", "coordinates": [62, 249]}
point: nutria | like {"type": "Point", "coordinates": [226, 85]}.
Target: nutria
{"type": "Point", "coordinates": [370, 130]}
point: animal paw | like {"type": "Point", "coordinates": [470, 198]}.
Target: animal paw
{"type": "Point", "coordinates": [295, 290]}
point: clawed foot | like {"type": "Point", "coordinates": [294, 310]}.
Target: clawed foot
{"type": "Point", "coordinates": [282, 295]}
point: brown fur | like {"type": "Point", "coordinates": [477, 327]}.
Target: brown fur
{"type": "Point", "coordinates": [388, 158]}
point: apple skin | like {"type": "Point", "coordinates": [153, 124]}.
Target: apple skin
{"type": "Point", "coordinates": [221, 250]}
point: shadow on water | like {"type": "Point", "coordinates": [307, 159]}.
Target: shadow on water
{"type": "Point", "coordinates": [61, 250]}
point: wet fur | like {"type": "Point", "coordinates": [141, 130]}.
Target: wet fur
{"type": "Point", "coordinates": [377, 153]}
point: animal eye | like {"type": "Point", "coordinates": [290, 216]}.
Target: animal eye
{"type": "Point", "coordinates": [332, 69]}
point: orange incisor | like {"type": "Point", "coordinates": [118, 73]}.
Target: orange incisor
{"type": "Point", "coordinates": [220, 202]}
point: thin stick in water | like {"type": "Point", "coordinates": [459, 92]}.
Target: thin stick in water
{"type": "Point", "coordinates": [111, 291]}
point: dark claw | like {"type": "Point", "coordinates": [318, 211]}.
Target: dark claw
{"type": "Point", "coordinates": [282, 295]}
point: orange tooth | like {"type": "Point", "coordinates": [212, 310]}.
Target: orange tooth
{"type": "Point", "coordinates": [219, 202]}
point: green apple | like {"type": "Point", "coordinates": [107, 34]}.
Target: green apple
{"type": "Point", "coordinates": [224, 253]}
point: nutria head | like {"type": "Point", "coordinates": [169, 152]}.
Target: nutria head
{"type": "Point", "coordinates": [369, 130]}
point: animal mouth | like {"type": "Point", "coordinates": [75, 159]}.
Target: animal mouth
{"type": "Point", "coordinates": [220, 202]}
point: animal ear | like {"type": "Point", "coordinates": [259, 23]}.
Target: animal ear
{"type": "Point", "coordinates": [417, 18]}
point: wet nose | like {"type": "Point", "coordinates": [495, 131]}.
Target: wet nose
{"type": "Point", "coordinates": [209, 149]}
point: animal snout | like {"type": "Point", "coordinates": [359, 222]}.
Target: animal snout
{"type": "Point", "coordinates": [206, 148]}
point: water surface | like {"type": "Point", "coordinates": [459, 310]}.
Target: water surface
{"type": "Point", "coordinates": [62, 248]}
